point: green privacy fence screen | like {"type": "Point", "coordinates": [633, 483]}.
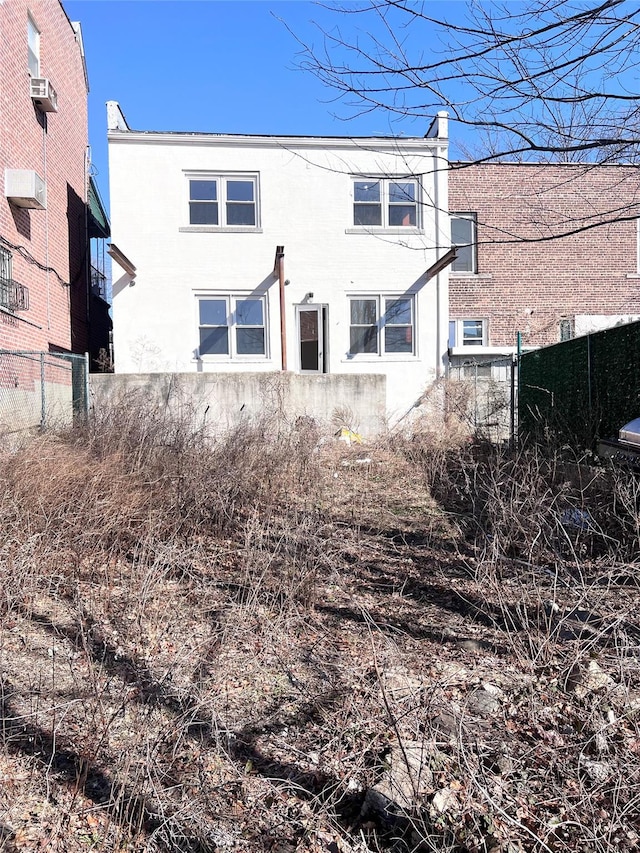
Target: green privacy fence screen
{"type": "Point", "coordinates": [581, 390]}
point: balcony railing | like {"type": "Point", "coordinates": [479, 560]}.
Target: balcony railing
{"type": "Point", "coordinates": [98, 282]}
{"type": "Point", "coordinates": [13, 296]}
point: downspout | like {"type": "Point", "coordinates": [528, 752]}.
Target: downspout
{"type": "Point", "coordinates": [436, 194]}
{"type": "Point", "coordinates": [440, 165]}
{"type": "Point", "coordinates": [87, 249]}
{"type": "Point", "coordinates": [279, 270]}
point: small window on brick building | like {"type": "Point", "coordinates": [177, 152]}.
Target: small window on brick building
{"type": "Point", "coordinates": [33, 46]}
{"type": "Point", "coordinates": [566, 330]}
{"type": "Point", "coordinates": [463, 237]}
{"type": "Point", "coordinates": [468, 333]}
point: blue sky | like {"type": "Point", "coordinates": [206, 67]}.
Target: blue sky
{"type": "Point", "coordinates": [211, 65]}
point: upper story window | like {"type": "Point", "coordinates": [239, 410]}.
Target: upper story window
{"type": "Point", "coordinates": [232, 326]}
{"type": "Point", "coordinates": [223, 201]}
{"type": "Point", "coordinates": [464, 236]}
{"type": "Point", "coordinates": [385, 203]}
{"type": "Point", "coordinates": [468, 333]}
{"type": "Point", "coordinates": [381, 325]}
{"type": "Point", "coordinates": [33, 42]}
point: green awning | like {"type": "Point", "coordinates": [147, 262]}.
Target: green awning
{"type": "Point", "coordinates": [98, 219]}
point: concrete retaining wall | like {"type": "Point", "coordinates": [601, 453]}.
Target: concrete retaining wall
{"type": "Point", "coordinates": [220, 401]}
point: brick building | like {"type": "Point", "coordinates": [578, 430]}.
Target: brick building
{"type": "Point", "coordinates": [49, 209]}
{"type": "Point", "coordinates": [550, 251]}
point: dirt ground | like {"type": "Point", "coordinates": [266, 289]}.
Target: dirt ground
{"type": "Point", "coordinates": [336, 665]}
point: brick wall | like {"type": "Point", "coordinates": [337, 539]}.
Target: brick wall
{"type": "Point", "coordinates": [55, 147]}
{"type": "Point", "coordinates": [531, 286]}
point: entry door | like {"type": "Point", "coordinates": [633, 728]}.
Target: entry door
{"type": "Point", "coordinates": [311, 338]}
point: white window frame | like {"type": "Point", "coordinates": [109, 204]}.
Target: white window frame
{"type": "Point", "coordinates": [385, 203]}
{"type": "Point", "coordinates": [381, 324]}
{"type": "Point", "coordinates": [472, 218]}
{"type": "Point", "coordinates": [33, 47]}
{"type": "Point", "coordinates": [222, 181]}
{"type": "Point", "coordinates": [230, 300]}
{"type": "Point", "coordinates": [457, 337]}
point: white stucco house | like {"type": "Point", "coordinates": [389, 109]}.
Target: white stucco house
{"type": "Point", "coordinates": [314, 255]}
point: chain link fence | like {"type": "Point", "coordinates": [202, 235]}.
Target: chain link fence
{"type": "Point", "coordinates": [485, 392]}
{"type": "Point", "coordinates": [41, 390]}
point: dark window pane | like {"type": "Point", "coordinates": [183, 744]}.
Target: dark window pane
{"type": "Point", "coordinates": [214, 341]}
{"type": "Point", "coordinates": [367, 214]}
{"type": "Point", "coordinates": [203, 213]}
{"type": "Point", "coordinates": [249, 312]}
{"type": "Point", "coordinates": [464, 260]}
{"type": "Point", "coordinates": [461, 231]}
{"type": "Point", "coordinates": [250, 341]}
{"type": "Point", "coordinates": [402, 192]}
{"type": "Point", "coordinates": [241, 214]}
{"type": "Point", "coordinates": [398, 311]}
{"type": "Point", "coordinates": [309, 325]}
{"type": "Point", "coordinates": [463, 236]}
{"type": "Point", "coordinates": [364, 339]}
{"type": "Point", "coordinates": [402, 214]}
{"type": "Point", "coordinates": [203, 190]}
{"type": "Point", "coordinates": [309, 355]}
{"type": "Point", "coordinates": [366, 191]}
{"type": "Point", "coordinates": [240, 190]}
{"type": "Point", "coordinates": [398, 339]}
{"type": "Point", "coordinates": [472, 332]}
{"type": "Point", "coordinates": [213, 312]}
{"type": "Point", "coordinates": [363, 312]}
{"type": "Point", "coordinates": [309, 340]}
{"type": "Point", "coordinates": [472, 329]}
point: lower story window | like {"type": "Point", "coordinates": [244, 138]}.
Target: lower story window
{"type": "Point", "coordinates": [468, 333]}
{"type": "Point", "coordinates": [232, 326]}
{"type": "Point", "coordinates": [381, 325]}
{"type": "Point", "coordinates": [566, 330]}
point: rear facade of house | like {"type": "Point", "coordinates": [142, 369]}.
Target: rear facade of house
{"type": "Point", "coordinates": [261, 253]}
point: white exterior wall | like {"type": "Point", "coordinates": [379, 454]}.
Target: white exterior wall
{"type": "Point", "coordinates": [305, 204]}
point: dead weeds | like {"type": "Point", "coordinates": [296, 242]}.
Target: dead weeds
{"type": "Point", "coordinates": [272, 642]}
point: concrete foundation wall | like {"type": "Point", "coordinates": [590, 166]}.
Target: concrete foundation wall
{"type": "Point", "coordinates": [220, 401]}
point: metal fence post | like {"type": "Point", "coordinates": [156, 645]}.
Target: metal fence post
{"type": "Point", "coordinates": [43, 402]}
{"type": "Point", "coordinates": [86, 386]}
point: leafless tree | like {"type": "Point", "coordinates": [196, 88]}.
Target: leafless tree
{"type": "Point", "coordinates": [548, 80]}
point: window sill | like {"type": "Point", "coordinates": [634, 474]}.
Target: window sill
{"type": "Point", "coordinates": [633, 275]}
{"type": "Point", "coordinates": [225, 359]}
{"type": "Point", "coordinates": [483, 349]}
{"type": "Point", "coordinates": [472, 275]}
{"type": "Point", "coordinates": [15, 316]}
{"type": "Point", "coordinates": [377, 359]}
{"type": "Point", "coordinates": [374, 230]}
{"type": "Point", "coordinates": [220, 229]}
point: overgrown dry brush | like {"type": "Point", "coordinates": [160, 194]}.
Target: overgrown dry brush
{"type": "Point", "coordinates": [271, 641]}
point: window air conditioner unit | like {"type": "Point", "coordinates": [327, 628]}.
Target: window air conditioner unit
{"type": "Point", "coordinates": [44, 95]}
{"type": "Point", "coordinates": [25, 188]}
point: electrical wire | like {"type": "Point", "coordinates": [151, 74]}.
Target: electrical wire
{"type": "Point", "coordinates": [28, 257]}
